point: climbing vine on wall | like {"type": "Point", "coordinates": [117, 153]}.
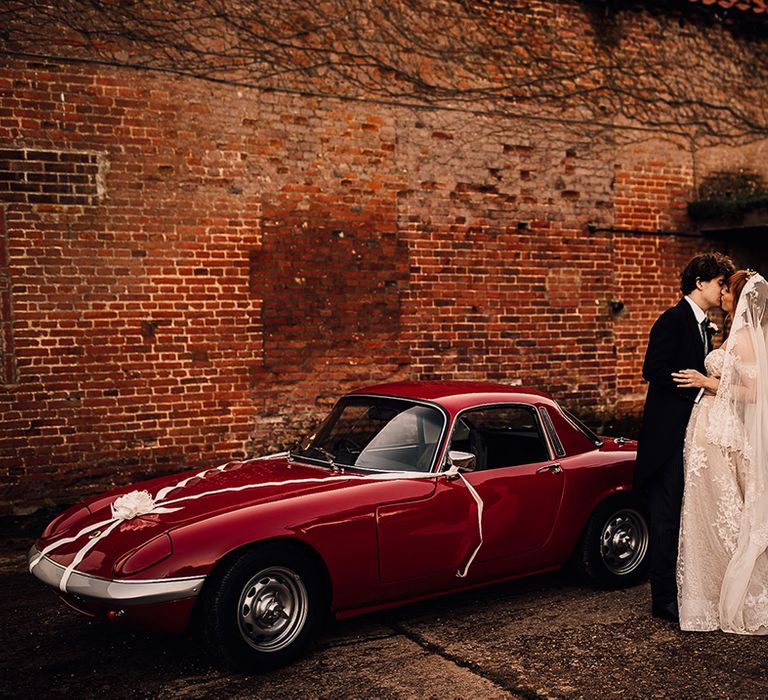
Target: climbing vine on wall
{"type": "Point", "coordinates": [587, 64]}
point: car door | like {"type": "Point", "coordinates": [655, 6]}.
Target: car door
{"type": "Point", "coordinates": [520, 487]}
{"type": "Point", "coordinates": [427, 536]}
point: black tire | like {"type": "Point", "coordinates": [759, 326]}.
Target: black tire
{"type": "Point", "coordinates": [262, 610]}
{"type": "Point", "coordinates": [613, 551]}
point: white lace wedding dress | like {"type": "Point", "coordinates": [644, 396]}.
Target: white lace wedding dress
{"type": "Point", "coordinates": [717, 476]}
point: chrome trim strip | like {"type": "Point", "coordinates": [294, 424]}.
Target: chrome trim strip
{"type": "Point", "coordinates": [554, 438]}
{"type": "Point", "coordinates": [116, 592]}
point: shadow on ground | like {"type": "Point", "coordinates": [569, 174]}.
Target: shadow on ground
{"type": "Point", "coordinates": [542, 637]}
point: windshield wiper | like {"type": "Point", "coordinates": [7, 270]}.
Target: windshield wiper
{"type": "Point", "coordinates": [328, 456]}
{"type": "Point", "coordinates": [294, 451]}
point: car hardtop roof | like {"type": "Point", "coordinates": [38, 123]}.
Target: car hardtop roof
{"type": "Point", "coordinates": [466, 391]}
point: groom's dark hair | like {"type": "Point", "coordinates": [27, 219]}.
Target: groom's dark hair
{"type": "Point", "coordinates": [705, 267]}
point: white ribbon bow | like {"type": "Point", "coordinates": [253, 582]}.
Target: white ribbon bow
{"type": "Point", "coordinates": [131, 505]}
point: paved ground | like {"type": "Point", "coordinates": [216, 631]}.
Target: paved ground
{"type": "Point", "coordinates": [546, 637]}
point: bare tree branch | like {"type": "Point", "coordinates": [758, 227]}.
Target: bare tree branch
{"type": "Point", "coordinates": [583, 63]}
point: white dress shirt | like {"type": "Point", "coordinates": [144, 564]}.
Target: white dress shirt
{"type": "Point", "coordinates": [698, 312]}
{"type": "Point", "coordinates": [700, 315]}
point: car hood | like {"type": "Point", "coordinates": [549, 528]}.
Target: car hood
{"type": "Point", "coordinates": [184, 497]}
{"type": "Point", "coordinates": [173, 501]}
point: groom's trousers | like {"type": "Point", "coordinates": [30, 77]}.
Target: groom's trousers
{"type": "Point", "coordinates": [665, 497]}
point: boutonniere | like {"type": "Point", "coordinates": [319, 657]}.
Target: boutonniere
{"type": "Point", "coordinates": [712, 328]}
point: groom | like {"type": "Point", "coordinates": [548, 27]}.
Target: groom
{"type": "Point", "coordinates": [679, 339]}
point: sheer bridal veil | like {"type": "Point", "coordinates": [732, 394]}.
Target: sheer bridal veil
{"type": "Point", "coordinates": [739, 425]}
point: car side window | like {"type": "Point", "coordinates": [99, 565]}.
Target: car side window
{"type": "Point", "coordinates": [500, 436]}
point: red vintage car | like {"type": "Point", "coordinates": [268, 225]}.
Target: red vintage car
{"type": "Point", "coordinates": [406, 491]}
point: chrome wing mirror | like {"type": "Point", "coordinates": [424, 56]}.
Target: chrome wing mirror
{"type": "Point", "coordinates": [463, 461]}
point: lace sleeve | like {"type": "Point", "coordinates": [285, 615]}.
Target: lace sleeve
{"type": "Point", "coordinates": [744, 369]}
{"type": "Point", "coordinates": [725, 426]}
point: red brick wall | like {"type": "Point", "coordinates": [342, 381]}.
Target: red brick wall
{"type": "Point", "coordinates": [192, 272]}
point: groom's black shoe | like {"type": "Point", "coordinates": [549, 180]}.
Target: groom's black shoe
{"type": "Point", "coordinates": [666, 611]}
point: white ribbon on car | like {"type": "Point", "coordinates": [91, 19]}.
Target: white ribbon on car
{"type": "Point", "coordinates": [461, 573]}
{"type": "Point", "coordinates": [135, 503]}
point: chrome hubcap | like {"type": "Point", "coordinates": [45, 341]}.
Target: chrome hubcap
{"type": "Point", "coordinates": [272, 609]}
{"type": "Point", "coordinates": [624, 542]}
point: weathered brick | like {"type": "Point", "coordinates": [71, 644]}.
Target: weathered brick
{"type": "Point", "coordinates": [254, 255]}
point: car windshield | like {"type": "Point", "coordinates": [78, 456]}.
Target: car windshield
{"type": "Point", "coordinates": [377, 433]}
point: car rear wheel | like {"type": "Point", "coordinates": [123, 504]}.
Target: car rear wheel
{"type": "Point", "coordinates": [262, 610]}
{"type": "Point", "coordinates": [613, 552]}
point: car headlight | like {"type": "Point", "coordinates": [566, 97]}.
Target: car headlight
{"type": "Point", "coordinates": [69, 518]}
{"type": "Point", "coordinates": [148, 554]}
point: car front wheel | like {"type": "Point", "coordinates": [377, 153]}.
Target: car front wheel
{"type": "Point", "coordinates": [262, 610]}
{"type": "Point", "coordinates": [613, 552]}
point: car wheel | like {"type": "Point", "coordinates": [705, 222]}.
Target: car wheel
{"type": "Point", "coordinates": [262, 610]}
{"type": "Point", "coordinates": [613, 552]}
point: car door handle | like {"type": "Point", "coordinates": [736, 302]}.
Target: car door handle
{"type": "Point", "coordinates": [554, 468]}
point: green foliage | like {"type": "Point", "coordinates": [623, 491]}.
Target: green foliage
{"type": "Point", "coordinates": [731, 183]}
{"type": "Point", "coordinates": [729, 195]}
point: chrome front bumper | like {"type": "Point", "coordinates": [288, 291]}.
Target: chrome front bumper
{"type": "Point", "coordinates": [110, 591]}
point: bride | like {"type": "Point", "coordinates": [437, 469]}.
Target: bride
{"type": "Point", "coordinates": [722, 566]}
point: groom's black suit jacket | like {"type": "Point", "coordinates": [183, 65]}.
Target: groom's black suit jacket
{"type": "Point", "coordinates": [675, 343]}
